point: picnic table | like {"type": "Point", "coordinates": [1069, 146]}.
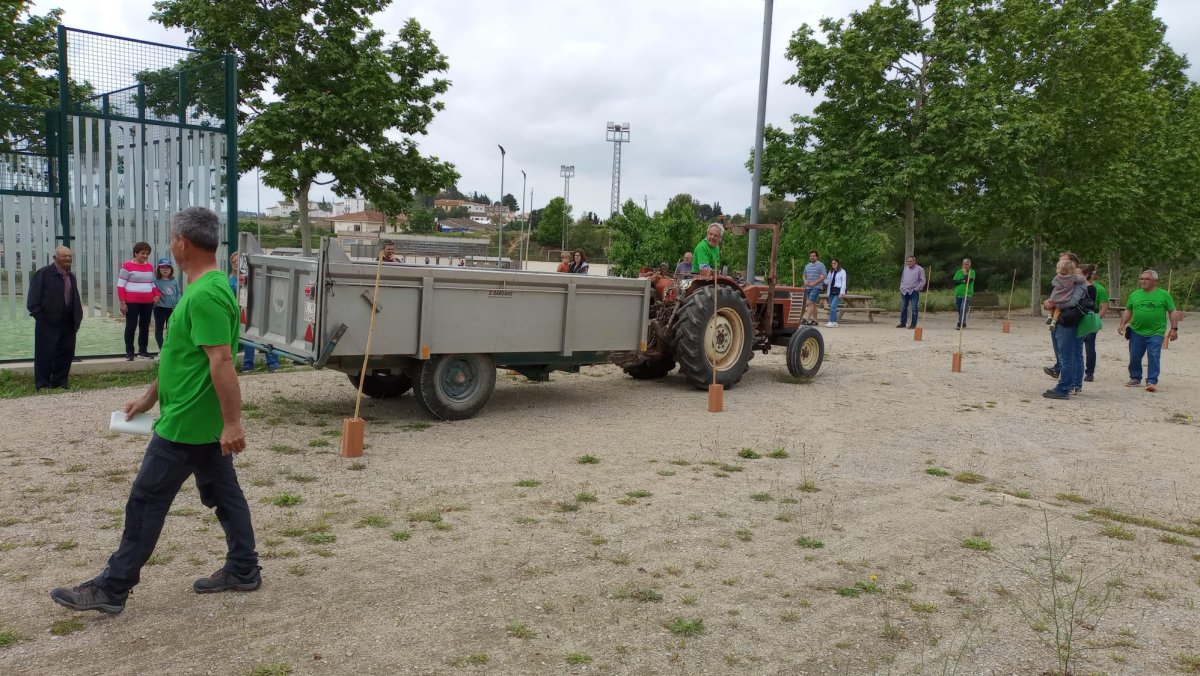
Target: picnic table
{"type": "Point", "coordinates": [851, 302]}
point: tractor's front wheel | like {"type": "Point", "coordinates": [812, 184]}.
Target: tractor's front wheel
{"type": "Point", "coordinates": [805, 352]}
{"type": "Point", "coordinates": [708, 341]}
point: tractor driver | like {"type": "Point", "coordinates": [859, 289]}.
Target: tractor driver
{"type": "Point", "coordinates": [707, 255]}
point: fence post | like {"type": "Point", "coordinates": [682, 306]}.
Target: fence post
{"type": "Point", "coordinates": [64, 102]}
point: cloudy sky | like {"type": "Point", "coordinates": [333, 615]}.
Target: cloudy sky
{"type": "Point", "coordinates": [542, 77]}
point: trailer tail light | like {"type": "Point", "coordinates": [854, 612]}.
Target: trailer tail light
{"type": "Point", "coordinates": [310, 313]}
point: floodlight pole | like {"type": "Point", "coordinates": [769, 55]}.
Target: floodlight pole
{"type": "Point", "coordinates": [499, 215]}
{"type": "Point", "coordinates": [756, 181]}
{"type": "Point", "coordinates": [525, 217]}
{"type": "Point", "coordinates": [616, 133]}
{"type": "Point", "coordinates": [567, 172]}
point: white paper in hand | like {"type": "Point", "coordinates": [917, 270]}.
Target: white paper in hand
{"type": "Point", "coordinates": [140, 424]}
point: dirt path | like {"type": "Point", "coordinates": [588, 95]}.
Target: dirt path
{"type": "Point", "coordinates": [489, 576]}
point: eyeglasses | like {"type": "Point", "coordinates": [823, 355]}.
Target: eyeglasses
{"type": "Point", "coordinates": [1146, 279]}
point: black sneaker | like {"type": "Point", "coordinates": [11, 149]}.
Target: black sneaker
{"type": "Point", "coordinates": [1088, 379]}
{"type": "Point", "coordinates": [900, 325]}
{"type": "Point", "coordinates": [145, 355]}
{"type": "Point", "coordinates": [1076, 391]}
{"type": "Point", "coordinates": [88, 596]}
{"type": "Point", "coordinates": [1050, 371]}
{"type": "Point", "coordinates": [223, 580]}
{"type": "Point", "coordinates": [128, 357]}
{"type": "Point", "coordinates": [1055, 394]}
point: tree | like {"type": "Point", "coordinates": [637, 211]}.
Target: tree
{"type": "Point", "coordinates": [422, 221]}
{"type": "Point", "coordinates": [555, 218]}
{"type": "Point", "coordinates": [510, 202]}
{"type": "Point", "coordinates": [639, 240]}
{"type": "Point", "coordinates": [348, 105]}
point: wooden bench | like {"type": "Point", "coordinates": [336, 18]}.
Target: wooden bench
{"type": "Point", "coordinates": [851, 302]}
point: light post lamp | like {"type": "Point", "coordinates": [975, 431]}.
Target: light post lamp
{"type": "Point", "coordinates": [756, 180]}
{"type": "Point", "coordinates": [567, 172]}
{"type": "Point", "coordinates": [500, 214]}
{"type": "Point", "coordinates": [525, 218]}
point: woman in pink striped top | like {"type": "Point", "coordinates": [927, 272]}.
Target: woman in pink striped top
{"type": "Point", "coordinates": [137, 292]}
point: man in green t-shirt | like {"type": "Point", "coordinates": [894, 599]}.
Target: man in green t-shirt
{"type": "Point", "coordinates": [198, 430]}
{"type": "Point", "coordinates": [964, 288]}
{"type": "Point", "coordinates": [1144, 322]}
{"type": "Point", "coordinates": [707, 255]}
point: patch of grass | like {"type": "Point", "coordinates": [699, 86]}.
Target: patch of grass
{"type": "Point", "coordinates": [588, 460]}
{"type": "Point", "coordinates": [778, 454]}
{"type": "Point", "coordinates": [1072, 497]}
{"type": "Point", "coordinates": [685, 627]}
{"type": "Point", "coordinates": [858, 589]}
{"type": "Point", "coordinates": [1113, 515]}
{"type": "Point", "coordinates": [8, 637]}
{"type": "Point", "coordinates": [318, 443]}
{"type": "Point", "coordinates": [809, 543]}
{"type": "Point", "coordinates": [626, 501]}
{"type": "Point", "coordinates": [67, 626]}
{"type": "Point", "coordinates": [977, 544]}
{"type": "Point", "coordinates": [969, 478]}
{"type": "Point", "coordinates": [528, 483]}
{"type": "Point", "coordinates": [679, 462]}
{"type": "Point", "coordinates": [726, 467]}
{"type": "Point", "coordinates": [808, 486]}
{"type": "Point", "coordinates": [401, 535]}
{"type": "Point", "coordinates": [299, 478]}
{"type": "Point", "coordinates": [357, 466]}
{"type": "Point", "coordinates": [1118, 532]}
{"type": "Point", "coordinates": [744, 534]}
{"type": "Point", "coordinates": [923, 608]}
{"type": "Point", "coordinates": [640, 493]}
{"type": "Point", "coordinates": [14, 386]}
{"type": "Point", "coordinates": [158, 559]}
{"type": "Point", "coordinates": [65, 546]}
{"type": "Point", "coordinates": [585, 497]}
{"type": "Point", "coordinates": [374, 521]}
{"type": "Point", "coordinates": [272, 669]}
{"type": "Point", "coordinates": [297, 569]}
{"type": "Point", "coordinates": [1024, 495]}
{"type": "Point", "coordinates": [665, 472]}
{"type": "Point", "coordinates": [579, 658]}
{"type": "Point", "coordinates": [75, 468]}
{"type": "Point", "coordinates": [936, 471]}
{"type": "Point", "coordinates": [284, 449]}
{"type": "Point", "coordinates": [525, 520]}
{"type": "Point", "coordinates": [1174, 540]}
{"type": "Point", "coordinates": [1189, 662]}
{"type": "Point", "coordinates": [761, 497]}
{"type": "Point", "coordinates": [518, 630]}
{"type": "Point", "coordinates": [564, 506]}
{"type": "Point", "coordinates": [286, 500]}
{"type": "Point", "coordinates": [320, 538]}
{"type": "Point", "coordinates": [428, 516]}
{"type": "Point", "coordinates": [262, 482]}
{"type": "Point", "coordinates": [749, 454]}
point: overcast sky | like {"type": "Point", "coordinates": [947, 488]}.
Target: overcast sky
{"type": "Point", "coordinates": [542, 77]}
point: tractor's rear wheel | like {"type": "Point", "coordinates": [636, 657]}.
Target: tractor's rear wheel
{"type": "Point", "coordinates": [454, 386]}
{"type": "Point", "coordinates": [805, 352]}
{"type": "Point", "coordinates": [380, 386]}
{"type": "Point", "coordinates": [704, 341]}
{"type": "Point", "coordinates": [651, 369]}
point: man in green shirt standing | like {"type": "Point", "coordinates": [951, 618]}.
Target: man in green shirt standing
{"type": "Point", "coordinates": [707, 255]}
{"type": "Point", "coordinates": [197, 432]}
{"type": "Point", "coordinates": [964, 288]}
{"type": "Point", "coordinates": [1146, 315]}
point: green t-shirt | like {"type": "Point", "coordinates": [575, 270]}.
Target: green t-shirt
{"type": "Point", "coordinates": [963, 287]}
{"type": "Point", "coordinates": [1101, 295]}
{"type": "Point", "coordinates": [207, 314]}
{"type": "Point", "coordinates": [706, 254]}
{"type": "Point", "coordinates": [1149, 311]}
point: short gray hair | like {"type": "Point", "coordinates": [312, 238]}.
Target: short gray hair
{"type": "Point", "coordinates": [1152, 273]}
{"type": "Point", "coordinates": [966, 260]}
{"type": "Point", "coordinates": [199, 226]}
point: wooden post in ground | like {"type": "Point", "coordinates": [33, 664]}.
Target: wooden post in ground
{"type": "Point", "coordinates": [1006, 325]}
{"type": "Point", "coordinates": [919, 332]}
{"type": "Point", "coordinates": [716, 393]}
{"type": "Point", "coordinates": [354, 429]}
{"type": "Point", "coordinates": [1167, 333]}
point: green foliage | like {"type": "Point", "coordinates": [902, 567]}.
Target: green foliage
{"type": "Point", "coordinates": [422, 221]}
{"type": "Point", "coordinates": [553, 218]}
{"type": "Point", "coordinates": [640, 240]}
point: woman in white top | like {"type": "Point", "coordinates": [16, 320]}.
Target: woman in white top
{"type": "Point", "coordinates": [835, 286]}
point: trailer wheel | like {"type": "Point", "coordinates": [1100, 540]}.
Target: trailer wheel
{"type": "Point", "coordinates": [379, 386]}
{"type": "Point", "coordinates": [805, 352]}
{"type": "Point", "coordinates": [454, 386]}
{"type": "Point", "coordinates": [703, 340]}
{"type": "Point", "coordinates": [650, 369]}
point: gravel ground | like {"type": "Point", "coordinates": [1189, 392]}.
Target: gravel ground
{"type": "Point", "coordinates": [673, 553]}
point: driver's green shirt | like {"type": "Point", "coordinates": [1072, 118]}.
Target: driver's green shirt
{"type": "Point", "coordinates": [706, 254]}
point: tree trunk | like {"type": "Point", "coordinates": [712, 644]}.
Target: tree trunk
{"type": "Point", "coordinates": [1035, 286]}
{"type": "Point", "coordinates": [1114, 276]}
{"type": "Point", "coordinates": [305, 225]}
{"type": "Point", "coordinates": [910, 229]}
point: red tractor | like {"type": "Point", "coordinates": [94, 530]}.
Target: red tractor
{"type": "Point", "coordinates": [687, 328]}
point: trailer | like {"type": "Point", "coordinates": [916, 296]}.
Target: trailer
{"type": "Point", "coordinates": [440, 331]}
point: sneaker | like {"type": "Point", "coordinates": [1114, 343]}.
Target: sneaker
{"type": "Point", "coordinates": [1088, 379]}
{"type": "Point", "coordinates": [1151, 388]}
{"type": "Point", "coordinates": [900, 325]}
{"type": "Point", "coordinates": [145, 355]}
{"type": "Point", "coordinates": [128, 357]}
{"type": "Point", "coordinates": [830, 325]}
{"type": "Point", "coordinates": [1055, 394]}
{"type": "Point", "coordinates": [1050, 371]}
{"type": "Point", "coordinates": [1076, 391]}
{"type": "Point", "coordinates": [223, 580]}
{"type": "Point", "coordinates": [88, 596]}
{"type": "Point", "coordinates": [912, 326]}
{"type": "Point", "coordinates": [1133, 383]}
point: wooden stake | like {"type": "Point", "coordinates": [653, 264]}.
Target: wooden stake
{"type": "Point", "coordinates": [1167, 333]}
{"type": "Point", "coordinates": [1006, 325]}
{"type": "Point", "coordinates": [919, 332]}
{"type": "Point", "coordinates": [716, 393]}
{"type": "Point", "coordinates": [793, 272]}
{"type": "Point", "coordinates": [956, 360]}
{"type": "Point", "coordinates": [354, 429]}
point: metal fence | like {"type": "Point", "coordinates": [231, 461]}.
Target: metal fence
{"type": "Point", "coordinates": [141, 130]}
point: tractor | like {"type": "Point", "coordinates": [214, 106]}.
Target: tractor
{"type": "Point", "coordinates": [700, 334]}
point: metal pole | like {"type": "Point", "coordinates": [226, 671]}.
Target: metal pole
{"type": "Point", "coordinates": [258, 200]}
{"type": "Point", "coordinates": [500, 214]}
{"type": "Point", "coordinates": [64, 128]}
{"type": "Point", "coordinates": [756, 181]}
{"type": "Point", "coordinates": [231, 167]}
{"type": "Point", "coordinates": [521, 244]}
{"type": "Point", "coordinates": [530, 228]}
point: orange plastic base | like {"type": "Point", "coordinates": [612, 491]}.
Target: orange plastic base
{"type": "Point", "coordinates": [919, 333]}
{"type": "Point", "coordinates": [956, 363]}
{"type": "Point", "coordinates": [716, 398]}
{"type": "Point", "coordinates": [353, 431]}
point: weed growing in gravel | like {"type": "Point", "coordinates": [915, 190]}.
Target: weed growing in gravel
{"type": "Point", "coordinates": [357, 466]}
{"type": "Point", "coordinates": [1118, 532]}
{"type": "Point", "coordinates": [936, 471]}
{"type": "Point", "coordinates": [272, 669]}
{"type": "Point", "coordinates": [588, 460]}
{"type": "Point", "coordinates": [564, 506]}
{"type": "Point", "coordinates": [808, 486]}
{"type": "Point", "coordinates": [749, 454]}
{"type": "Point", "coordinates": [320, 538]}
{"type": "Point", "coordinates": [627, 501]}
{"type": "Point", "coordinates": [761, 497]}
{"type": "Point", "coordinates": [579, 658]}
{"type": "Point", "coordinates": [286, 500]}
{"type": "Point", "coordinates": [679, 462]}
{"type": "Point", "coordinates": [1189, 662]}
{"type": "Point", "coordinates": [685, 627]}
{"type": "Point", "coordinates": [374, 521]}
{"type": "Point", "coordinates": [1192, 530]}
{"type": "Point", "coordinates": [1072, 497]}
{"type": "Point", "coordinates": [8, 638]}
{"type": "Point", "coordinates": [65, 627]}
{"type": "Point", "coordinates": [401, 535]}
{"type": "Point", "coordinates": [666, 472]}
{"type": "Point", "coordinates": [318, 443]}
{"type": "Point", "coordinates": [730, 468]}
{"type": "Point", "coordinates": [599, 541]}
{"type": "Point", "coordinates": [428, 516]}
{"type": "Point", "coordinates": [585, 497]}
{"type": "Point", "coordinates": [1174, 540]}
{"type": "Point", "coordinates": [688, 600]}
{"type": "Point", "coordinates": [640, 493]}
{"type": "Point", "coordinates": [518, 630]}
{"type": "Point", "coordinates": [65, 546]}
{"type": "Point", "coordinates": [528, 483]}
{"type": "Point", "coordinates": [969, 478]}
{"type": "Point", "coordinates": [809, 543]}
{"type": "Point", "coordinates": [298, 569]}
{"type": "Point", "coordinates": [744, 534]}
{"type": "Point", "coordinates": [978, 544]}
{"type": "Point", "coordinates": [299, 478]}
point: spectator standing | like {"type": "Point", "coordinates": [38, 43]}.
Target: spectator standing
{"type": "Point", "coordinates": [248, 355]}
{"type": "Point", "coordinates": [564, 264]}
{"type": "Point", "coordinates": [1146, 315]}
{"type": "Point", "coordinates": [137, 293]}
{"type": "Point", "coordinates": [579, 264]}
{"type": "Point", "coordinates": [814, 279]}
{"type": "Point", "coordinates": [912, 280]}
{"type": "Point", "coordinates": [1068, 291]}
{"type": "Point", "coordinates": [168, 298]}
{"type": "Point", "coordinates": [684, 269]}
{"type": "Point", "coordinates": [53, 302]}
{"type": "Point", "coordinates": [198, 430]}
{"type": "Point", "coordinates": [835, 287]}
{"type": "Point", "coordinates": [389, 251]}
{"type": "Point", "coordinates": [1100, 300]}
{"type": "Point", "coordinates": [964, 289]}
{"type": "Point", "coordinates": [1052, 371]}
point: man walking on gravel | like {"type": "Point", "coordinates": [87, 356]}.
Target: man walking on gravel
{"type": "Point", "coordinates": [1146, 315]}
{"type": "Point", "coordinates": [198, 429]}
{"type": "Point", "coordinates": [814, 279]}
{"type": "Point", "coordinates": [912, 280]}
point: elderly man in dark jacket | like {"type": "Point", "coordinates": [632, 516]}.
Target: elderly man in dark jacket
{"type": "Point", "coordinates": [54, 303]}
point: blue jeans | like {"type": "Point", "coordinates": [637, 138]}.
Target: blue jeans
{"type": "Point", "coordinates": [834, 301]}
{"type": "Point", "coordinates": [1070, 353]}
{"type": "Point", "coordinates": [963, 305]}
{"type": "Point", "coordinates": [248, 359]}
{"type": "Point", "coordinates": [905, 300]}
{"type": "Point", "coordinates": [165, 467]}
{"type": "Point", "coordinates": [1151, 347]}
